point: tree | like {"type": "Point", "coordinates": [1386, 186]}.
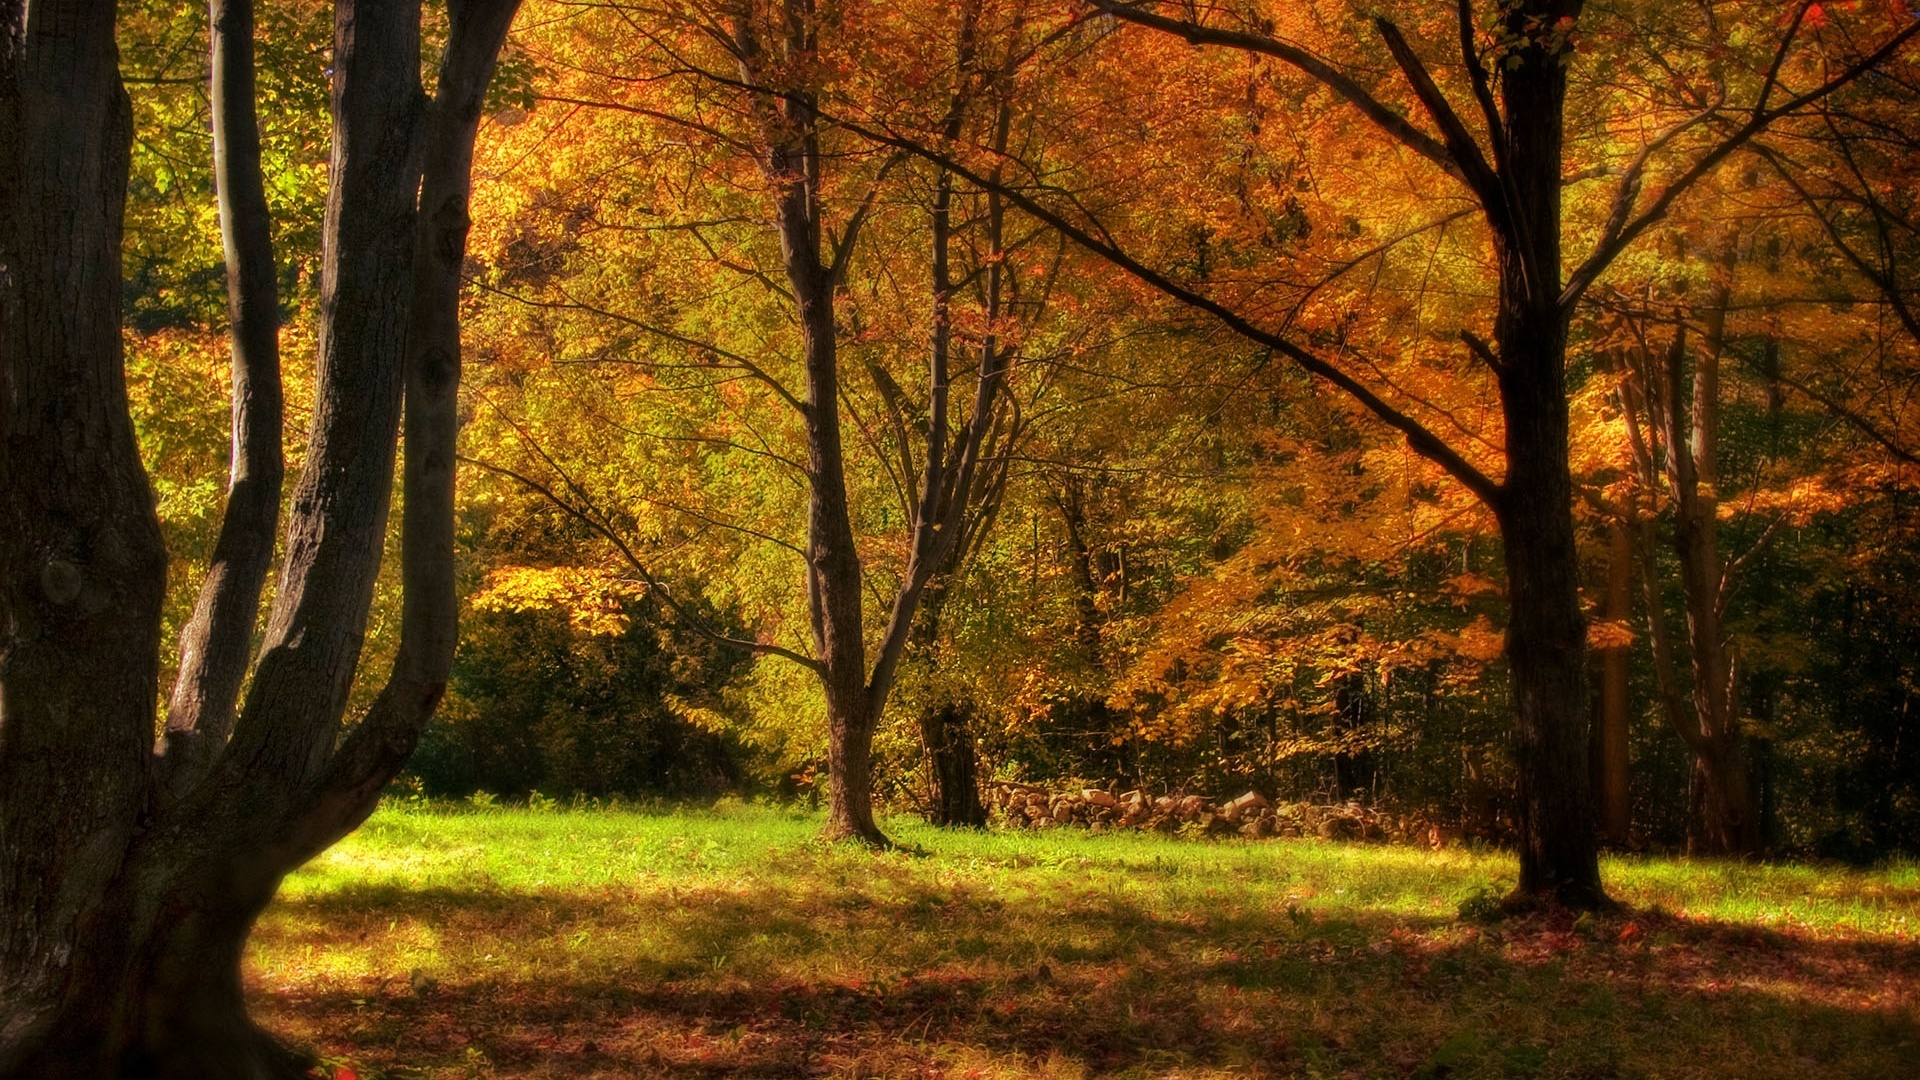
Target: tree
{"type": "Point", "coordinates": [130, 872]}
{"type": "Point", "coordinates": [1513, 172]}
{"type": "Point", "coordinates": [1675, 430]}
{"type": "Point", "coordinates": [897, 471]}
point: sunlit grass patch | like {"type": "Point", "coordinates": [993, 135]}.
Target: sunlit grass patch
{"type": "Point", "coordinates": [515, 943]}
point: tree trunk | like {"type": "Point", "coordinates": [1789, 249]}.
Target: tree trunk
{"type": "Point", "coordinates": [949, 485]}
{"type": "Point", "coordinates": [948, 735]}
{"type": "Point", "coordinates": [1726, 813]}
{"type": "Point", "coordinates": [156, 991]}
{"type": "Point", "coordinates": [833, 561]}
{"type": "Point", "coordinates": [82, 565]}
{"type": "Point", "coordinates": [123, 946]}
{"type": "Point", "coordinates": [1352, 774]}
{"type": "Point", "coordinates": [1726, 821]}
{"type": "Point", "coordinates": [1546, 631]}
{"type": "Point", "coordinates": [216, 643]}
{"type": "Point", "coordinates": [850, 768]}
{"type": "Point", "coordinates": [1675, 433]}
{"type": "Point", "coordinates": [1610, 755]}
{"type": "Point", "coordinates": [1546, 656]}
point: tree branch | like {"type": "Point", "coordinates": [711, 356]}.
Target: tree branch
{"type": "Point", "coordinates": [1421, 439]}
{"type": "Point", "coordinates": [593, 520]}
{"type": "Point", "coordinates": [1307, 63]}
{"type": "Point", "coordinates": [1761, 117]}
{"type": "Point", "coordinates": [1460, 144]}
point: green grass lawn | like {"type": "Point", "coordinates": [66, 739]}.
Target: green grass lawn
{"type": "Point", "coordinates": [513, 943]}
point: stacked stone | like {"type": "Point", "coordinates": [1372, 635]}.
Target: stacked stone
{"type": "Point", "coordinates": [1251, 815]}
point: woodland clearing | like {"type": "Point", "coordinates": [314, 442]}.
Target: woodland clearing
{"type": "Point", "coordinates": [454, 941]}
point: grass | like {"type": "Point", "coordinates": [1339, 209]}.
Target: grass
{"type": "Point", "coordinates": [729, 943]}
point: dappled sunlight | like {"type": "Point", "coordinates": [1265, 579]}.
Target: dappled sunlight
{"type": "Point", "coordinates": [738, 946]}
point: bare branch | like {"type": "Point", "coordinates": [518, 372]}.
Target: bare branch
{"type": "Point", "coordinates": [1482, 90]}
{"type": "Point", "coordinates": [1460, 143]}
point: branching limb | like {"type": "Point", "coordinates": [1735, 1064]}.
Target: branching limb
{"type": "Point", "coordinates": [1307, 63]}
{"type": "Point", "coordinates": [1460, 144]}
{"type": "Point", "coordinates": [1761, 117]}
{"type": "Point", "coordinates": [1420, 438]}
{"type": "Point", "coordinates": [591, 517]}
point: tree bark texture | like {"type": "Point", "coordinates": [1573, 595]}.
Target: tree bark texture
{"type": "Point", "coordinates": [1546, 630]}
{"type": "Point", "coordinates": [217, 640]}
{"type": "Point", "coordinates": [130, 965]}
{"type": "Point", "coordinates": [82, 566]}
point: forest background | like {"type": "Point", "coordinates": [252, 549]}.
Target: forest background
{"type": "Point", "coordinates": [1182, 563]}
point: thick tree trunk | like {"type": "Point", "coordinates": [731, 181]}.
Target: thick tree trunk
{"type": "Point", "coordinates": [130, 964]}
{"type": "Point", "coordinates": [156, 987]}
{"type": "Point", "coordinates": [82, 566]}
{"type": "Point", "coordinates": [1546, 656]}
{"type": "Point", "coordinates": [850, 728]}
{"type": "Point", "coordinates": [1546, 630]}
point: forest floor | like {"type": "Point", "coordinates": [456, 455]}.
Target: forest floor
{"type": "Point", "coordinates": [516, 943]}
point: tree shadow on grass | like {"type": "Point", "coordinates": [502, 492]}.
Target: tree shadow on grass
{"type": "Point", "coordinates": [769, 982]}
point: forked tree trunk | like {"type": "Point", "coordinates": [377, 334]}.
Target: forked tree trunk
{"type": "Point", "coordinates": [856, 691]}
{"type": "Point", "coordinates": [127, 892]}
{"type": "Point", "coordinates": [1675, 433]}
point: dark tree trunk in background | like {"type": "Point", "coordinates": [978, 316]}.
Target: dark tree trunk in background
{"type": "Point", "coordinates": [127, 909]}
{"type": "Point", "coordinates": [1674, 433]}
{"type": "Point", "coordinates": [1728, 817]}
{"type": "Point", "coordinates": [1352, 767]}
{"type": "Point", "coordinates": [1611, 766]}
{"type": "Point", "coordinates": [946, 728]}
{"type": "Point", "coordinates": [947, 731]}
